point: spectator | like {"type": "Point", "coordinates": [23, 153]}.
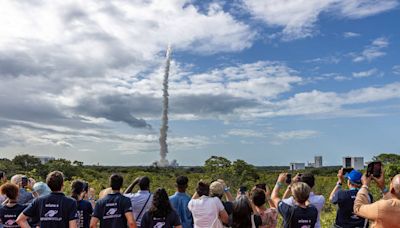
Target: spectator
{"type": "Point", "coordinates": [243, 214]}
{"type": "Point", "coordinates": [384, 212]}
{"type": "Point", "coordinates": [219, 189]}
{"type": "Point", "coordinates": [180, 201]}
{"type": "Point", "coordinates": [91, 196]}
{"type": "Point", "coordinates": [84, 208]}
{"type": "Point", "coordinates": [259, 197]}
{"type": "Point", "coordinates": [113, 210]}
{"type": "Point", "coordinates": [301, 214]}
{"type": "Point", "coordinates": [3, 180]}
{"type": "Point", "coordinates": [318, 201]}
{"type": "Point", "coordinates": [55, 209]}
{"type": "Point", "coordinates": [161, 213]}
{"type": "Point", "coordinates": [345, 216]}
{"type": "Point", "coordinates": [22, 182]}
{"type": "Point", "coordinates": [105, 192]}
{"type": "Point", "coordinates": [10, 211]}
{"type": "Point", "coordinates": [208, 212]}
{"type": "Point", "coordinates": [40, 189]}
{"type": "Point", "coordinates": [141, 201]}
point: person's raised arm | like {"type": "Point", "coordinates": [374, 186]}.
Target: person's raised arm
{"type": "Point", "coordinates": [93, 222]}
{"type": "Point", "coordinates": [22, 221]}
{"type": "Point", "coordinates": [362, 206]}
{"type": "Point", "coordinates": [275, 192]}
{"type": "Point", "coordinates": [195, 195]}
{"type": "Point", "coordinates": [338, 185]}
{"type": "Point", "coordinates": [132, 185]}
{"type": "Point", "coordinates": [130, 219]}
{"type": "Point", "coordinates": [268, 197]}
{"type": "Point", "coordinates": [380, 182]}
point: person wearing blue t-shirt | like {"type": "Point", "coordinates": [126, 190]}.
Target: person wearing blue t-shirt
{"type": "Point", "coordinates": [180, 201]}
{"type": "Point", "coordinates": [54, 210]}
{"type": "Point", "coordinates": [114, 210]}
{"type": "Point", "coordinates": [85, 209]}
{"type": "Point", "coordinates": [345, 216]}
{"type": "Point", "coordinates": [10, 211]}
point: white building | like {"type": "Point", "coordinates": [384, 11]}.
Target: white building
{"type": "Point", "coordinates": [353, 162]}
{"type": "Point", "coordinates": [297, 166]}
{"type": "Point", "coordinates": [317, 161]}
{"type": "Point", "coordinates": [45, 159]}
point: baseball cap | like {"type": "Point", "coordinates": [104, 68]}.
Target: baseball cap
{"type": "Point", "coordinates": [354, 176]}
{"type": "Point", "coordinates": [216, 188]}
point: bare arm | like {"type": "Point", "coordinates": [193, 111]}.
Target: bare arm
{"type": "Point", "coordinates": [228, 196]}
{"type": "Point", "coordinates": [22, 221]}
{"type": "Point", "coordinates": [131, 186]}
{"type": "Point", "coordinates": [73, 224]}
{"type": "Point", "coordinates": [287, 192]}
{"type": "Point", "coordinates": [93, 222]}
{"type": "Point", "coordinates": [275, 192]}
{"type": "Point", "coordinates": [339, 184]}
{"type": "Point", "coordinates": [195, 195]}
{"type": "Point", "coordinates": [224, 216]}
{"type": "Point", "coordinates": [130, 219]}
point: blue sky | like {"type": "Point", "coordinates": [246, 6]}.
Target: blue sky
{"type": "Point", "coordinates": [267, 81]}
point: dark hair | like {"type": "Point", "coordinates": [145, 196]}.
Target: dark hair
{"type": "Point", "coordinates": [55, 181]}
{"type": "Point", "coordinates": [116, 181]}
{"type": "Point", "coordinates": [2, 174]}
{"type": "Point", "coordinates": [308, 178]}
{"type": "Point", "coordinates": [85, 186]}
{"type": "Point", "coordinates": [77, 187]}
{"type": "Point", "coordinates": [161, 206]}
{"type": "Point", "coordinates": [241, 213]}
{"type": "Point", "coordinates": [182, 183]}
{"type": "Point", "coordinates": [144, 183]}
{"type": "Point", "coordinates": [203, 189]}
{"type": "Point", "coordinates": [258, 197]}
{"type": "Point", "coordinates": [10, 190]}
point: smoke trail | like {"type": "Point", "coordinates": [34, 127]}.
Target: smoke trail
{"type": "Point", "coordinates": [164, 125]}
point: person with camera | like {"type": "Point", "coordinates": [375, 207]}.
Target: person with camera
{"type": "Point", "coordinates": [301, 214]}
{"type": "Point", "coordinates": [384, 212]}
{"type": "Point", "coordinates": [318, 201]}
{"type": "Point", "coordinates": [22, 181]}
{"type": "Point", "coordinates": [345, 216]}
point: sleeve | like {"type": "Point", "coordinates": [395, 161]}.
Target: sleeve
{"type": "Point", "coordinates": [176, 220]}
{"type": "Point", "coordinates": [363, 208]}
{"type": "Point", "coordinates": [336, 197]}
{"type": "Point", "coordinates": [284, 210]}
{"type": "Point", "coordinates": [32, 209]}
{"type": "Point", "coordinates": [97, 212]}
{"type": "Point", "coordinates": [219, 204]}
{"type": "Point", "coordinates": [288, 201]}
{"type": "Point", "coordinates": [73, 212]}
{"type": "Point", "coordinates": [190, 205]}
{"type": "Point", "coordinates": [126, 205]}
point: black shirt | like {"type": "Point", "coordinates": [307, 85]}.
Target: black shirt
{"type": "Point", "coordinates": [54, 210]}
{"type": "Point", "coordinates": [345, 216]}
{"type": "Point", "coordinates": [170, 221]}
{"type": "Point", "coordinates": [8, 215]}
{"type": "Point", "coordinates": [298, 217]}
{"type": "Point", "coordinates": [111, 210]}
{"type": "Point", "coordinates": [85, 211]}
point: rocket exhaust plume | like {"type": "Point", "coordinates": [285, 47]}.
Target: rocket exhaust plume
{"type": "Point", "coordinates": [164, 125]}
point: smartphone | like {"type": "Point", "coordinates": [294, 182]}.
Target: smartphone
{"type": "Point", "coordinates": [24, 181]}
{"type": "Point", "coordinates": [262, 186]}
{"type": "Point", "coordinates": [374, 169]}
{"type": "Point", "coordinates": [288, 178]}
{"type": "Point", "coordinates": [347, 170]}
{"type": "Point", "coordinates": [299, 176]}
{"type": "Point", "coordinates": [243, 190]}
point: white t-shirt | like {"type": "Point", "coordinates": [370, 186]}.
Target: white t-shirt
{"type": "Point", "coordinates": [317, 201]}
{"type": "Point", "coordinates": [205, 211]}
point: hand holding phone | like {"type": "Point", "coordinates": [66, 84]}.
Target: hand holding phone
{"type": "Point", "coordinates": [374, 169]}
{"type": "Point", "coordinates": [288, 178]}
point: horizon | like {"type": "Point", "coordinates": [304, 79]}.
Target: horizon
{"type": "Point", "coordinates": [264, 81]}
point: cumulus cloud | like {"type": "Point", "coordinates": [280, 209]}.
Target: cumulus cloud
{"type": "Point", "coordinates": [372, 51]}
{"type": "Point", "coordinates": [396, 69]}
{"type": "Point", "coordinates": [364, 74]}
{"type": "Point", "coordinates": [298, 18]}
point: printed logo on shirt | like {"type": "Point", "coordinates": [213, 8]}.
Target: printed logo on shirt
{"type": "Point", "coordinates": [51, 213]}
{"type": "Point", "coordinates": [111, 213]}
{"type": "Point", "coordinates": [159, 225]}
{"type": "Point", "coordinates": [9, 222]}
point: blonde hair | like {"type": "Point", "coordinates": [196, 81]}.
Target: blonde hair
{"type": "Point", "coordinates": [300, 192]}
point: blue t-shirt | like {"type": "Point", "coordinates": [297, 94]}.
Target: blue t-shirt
{"type": "Point", "coordinates": [111, 210]}
{"type": "Point", "coordinates": [179, 202]}
{"type": "Point", "coordinates": [85, 211]}
{"type": "Point", "coordinates": [345, 217]}
{"type": "Point", "coordinates": [54, 210]}
{"type": "Point", "coordinates": [8, 215]}
{"type": "Point", "coordinates": [297, 216]}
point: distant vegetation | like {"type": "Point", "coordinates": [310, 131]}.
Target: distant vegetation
{"type": "Point", "coordinates": [235, 173]}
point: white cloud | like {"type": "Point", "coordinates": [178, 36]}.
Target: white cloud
{"type": "Point", "coordinates": [372, 51]}
{"type": "Point", "coordinates": [351, 34]}
{"type": "Point", "coordinates": [299, 17]}
{"type": "Point", "coordinates": [297, 134]}
{"type": "Point", "coordinates": [364, 74]}
{"type": "Point", "coordinates": [396, 69]}
{"type": "Point", "coordinates": [245, 133]}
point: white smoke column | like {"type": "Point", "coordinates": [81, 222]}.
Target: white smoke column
{"type": "Point", "coordinates": [164, 125]}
